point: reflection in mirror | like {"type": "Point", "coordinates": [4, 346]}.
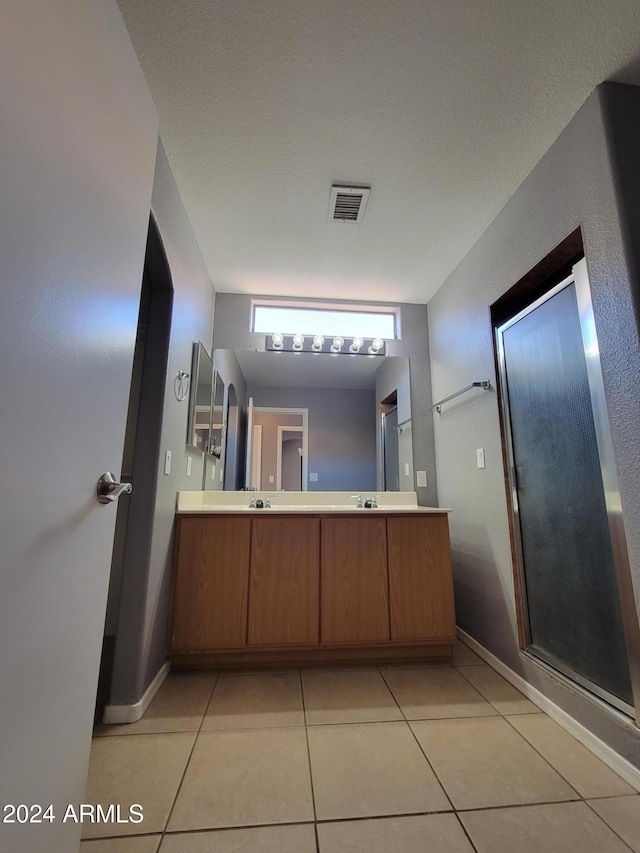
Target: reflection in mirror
{"type": "Point", "coordinates": [343, 397]}
{"type": "Point", "coordinates": [232, 442]}
{"type": "Point", "coordinates": [214, 463]}
{"type": "Point", "coordinates": [200, 399]}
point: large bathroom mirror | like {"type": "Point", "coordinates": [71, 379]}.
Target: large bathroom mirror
{"type": "Point", "coordinates": [306, 421]}
{"type": "Point", "coordinates": [200, 399]}
{"type": "Point", "coordinates": [213, 471]}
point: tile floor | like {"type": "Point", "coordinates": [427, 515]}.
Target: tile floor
{"type": "Point", "coordinates": [393, 759]}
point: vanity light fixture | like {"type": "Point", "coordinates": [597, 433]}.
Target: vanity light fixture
{"type": "Point", "coordinates": [356, 345]}
{"type": "Point", "coordinates": [337, 344]}
{"type": "Point", "coordinates": [318, 343]}
{"type": "Point", "coordinates": [277, 340]}
{"type": "Point", "coordinates": [376, 346]}
{"type": "Point", "coordinates": [298, 343]}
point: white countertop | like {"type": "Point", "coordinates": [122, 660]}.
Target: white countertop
{"type": "Point", "coordinates": [300, 503]}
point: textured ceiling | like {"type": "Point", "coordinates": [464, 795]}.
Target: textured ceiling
{"type": "Point", "coordinates": [443, 106]}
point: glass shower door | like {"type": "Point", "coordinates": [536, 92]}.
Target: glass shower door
{"type": "Point", "coordinates": [572, 608]}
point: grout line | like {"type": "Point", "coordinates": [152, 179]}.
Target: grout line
{"type": "Point", "coordinates": [306, 735]}
{"type": "Point", "coordinates": [464, 829]}
{"type": "Point", "coordinates": [413, 734]}
{"type": "Point", "coordinates": [186, 767]}
{"type": "Point", "coordinates": [606, 823]}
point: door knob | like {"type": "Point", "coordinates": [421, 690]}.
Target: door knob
{"type": "Point", "coordinates": [108, 488]}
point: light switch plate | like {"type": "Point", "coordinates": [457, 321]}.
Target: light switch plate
{"type": "Point", "coordinates": [421, 479]}
{"type": "Point", "coordinates": [188, 466]}
{"type": "Point", "coordinates": [480, 457]}
{"type": "Point", "coordinates": [213, 472]}
{"type": "Point", "coordinates": [167, 462]}
{"type": "Point", "coordinates": [313, 478]}
{"type": "Point", "coordinates": [272, 479]}
{"type": "Point", "coordinates": [406, 469]}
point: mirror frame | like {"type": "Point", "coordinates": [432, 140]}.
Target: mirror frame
{"type": "Point", "coordinates": [197, 365]}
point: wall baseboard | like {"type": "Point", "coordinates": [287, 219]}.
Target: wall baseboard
{"type": "Point", "coordinates": [132, 713]}
{"type": "Point", "coordinates": [629, 772]}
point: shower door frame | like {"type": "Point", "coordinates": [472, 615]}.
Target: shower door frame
{"type": "Point", "coordinates": [608, 468]}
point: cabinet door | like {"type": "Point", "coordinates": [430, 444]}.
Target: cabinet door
{"type": "Point", "coordinates": [284, 582]}
{"type": "Point", "coordinates": [355, 594]}
{"type": "Point", "coordinates": [212, 576]}
{"type": "Point", "coordinates": [420, 581]}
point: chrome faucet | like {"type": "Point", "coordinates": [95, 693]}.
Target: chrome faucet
{"type": "Point", "coordinates": [359, 503]}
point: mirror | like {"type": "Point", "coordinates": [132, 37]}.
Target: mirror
{"type": "Point", "coordinates": [214, 459]}
{"type": "Point", "coordinates": [200, 398]}
{"type": "Point", "coordinates": [315, 422]}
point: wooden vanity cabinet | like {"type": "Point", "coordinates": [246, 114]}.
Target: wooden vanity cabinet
{"type": "Point", "coordinates": [284, 583]}
{"type": "Point", "coordinates": [249, 586]}
{"type": "Point", "coordinates": [355, 592]}
{"type": "Point", "coordinates": [420, 578]}
{"type": "Point", "coordinates": [211, 582]}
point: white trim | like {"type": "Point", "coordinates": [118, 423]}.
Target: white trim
{"type": "Point", "coordinates": [280, 430]}
{"type": "Point", "coordinates": [132, 713]}
{"type": "Point", "coordinates": [305, 436]}
{"type": "Point", "coordinates": [256, 457]}
{"type": "Point", "coordinates": [627, 771]}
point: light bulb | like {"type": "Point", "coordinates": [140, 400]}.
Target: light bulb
{"type": "Point", "coordinates": [277, 340]}
{"type": "Point", "coordinates": [318, 343]}
{"type": "Point", "coordinates": [356, 345]}
{"type": "Point", "coordinates": [337, 344]}
{"type": "Point", "coordinates": [376, 346]}
{"type": "Point", "coordinates": [298, 342]}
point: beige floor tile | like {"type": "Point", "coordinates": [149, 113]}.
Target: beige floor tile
{"type": "Point", "coordinates": [264, 839]}
{"type": "Point", "coordinates": [497, 690]}
{"type": "Point", "coordinates": [425, 694]}
{"type": "Point", "coordinates": [255, 701]}
{"type": "Point", "coordinates": [144, 769]}
{"type": "Point", "coordinates": [347, 697]}
{"type": "Point", "coordinates": [143, 844]}
{"type": "Point", "coordinates": [463, 656]}
{"type": "Point", "coordinates": [582, 770]}
{"type": "Point", "coordinates": [623, 816]}
{"type": "Point", "coordinates": [483, 762]}
{"type": "Point", "coordinates": [178, 706]}
{"type": "Point", "coordinates": [440, 833]}
{"type": "Point", "coordinates": [245, 778]}
{"type": "Point", "coordinates": [556, 828]}
{"type": "Point", "coordinates": [369, 769]}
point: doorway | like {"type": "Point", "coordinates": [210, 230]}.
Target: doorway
{"type": "Point", "coordinates": [132, 539]}
{"type": "Point", "coordinates": [572, 573]}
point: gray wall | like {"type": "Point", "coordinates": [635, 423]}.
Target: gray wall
{"type": "Point", "coordinates": [232, 331]}
{"type": "Point", "coordinates": [141, 637]}
{"type": "Point", "coordinates": [575, 183]}
{"type": "Point", "coordinates": [77, 150]}
{"type": "Point", "coordinates": [342, 433]}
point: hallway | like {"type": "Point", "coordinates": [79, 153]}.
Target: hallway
{"type": "Point", "coordinates": [445, 759]}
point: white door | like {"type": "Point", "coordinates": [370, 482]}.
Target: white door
{"type": "Point", "coordinates": [77, 151]}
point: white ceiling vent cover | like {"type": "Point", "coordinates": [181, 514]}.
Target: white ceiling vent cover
{"type": "Point", "coordinates": [348, 204]}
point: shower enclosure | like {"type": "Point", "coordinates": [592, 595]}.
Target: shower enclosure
{"type": "Point", "coordinates": [575, 599]}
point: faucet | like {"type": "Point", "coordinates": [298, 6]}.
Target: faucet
{"type": "Point", "coordinates": [359, 503]}
{"type": "Point", "coordinates": [372, 502]}
{"type": "Point", "coordinates": [252, 504]}
{"type": "Point", "coordinates": [267, 502]}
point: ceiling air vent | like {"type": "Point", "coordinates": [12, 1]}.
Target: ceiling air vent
{"type": "Point", "coordinates": [348, 204]}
